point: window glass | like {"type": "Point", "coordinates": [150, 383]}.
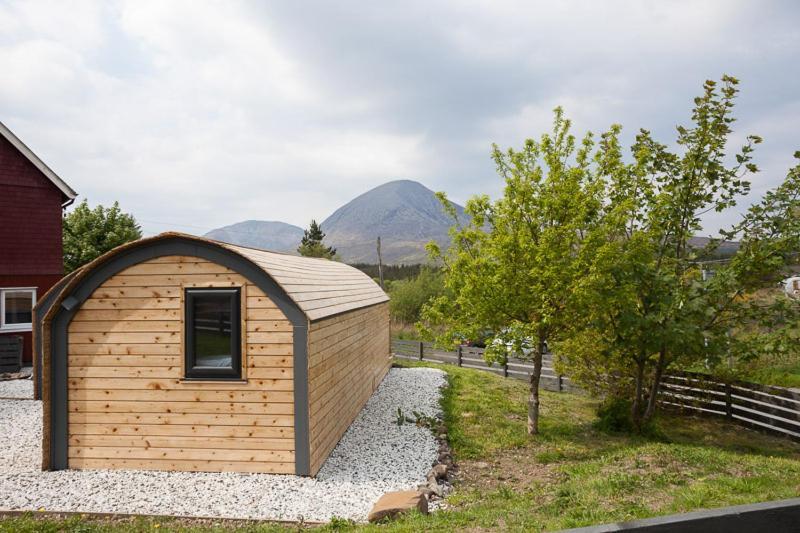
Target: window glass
{"type": "Point", "coordinates": [18, 307]}
{"type": "Point", "coordinates": [212, 331]}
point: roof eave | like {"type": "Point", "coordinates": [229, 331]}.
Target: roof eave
{"type": "Point", "coordinates": [65, 189]}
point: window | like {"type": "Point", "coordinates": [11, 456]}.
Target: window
{"type": "Point", "coordinates": [16, 309]}
{"type": "Point", "coordinates": [213, 333]}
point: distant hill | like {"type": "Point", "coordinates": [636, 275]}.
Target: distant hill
{"type": "Point", "coordinates": [725, 248]}
{"type": "Point", "coordinates": [267, 234]}
{"type": "Point", "coordinates": [404, 213]}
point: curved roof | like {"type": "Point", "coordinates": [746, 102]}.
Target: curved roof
{"type": "Point", "coordinates": [318, 287]}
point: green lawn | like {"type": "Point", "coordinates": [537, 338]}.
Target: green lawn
{"type": "Point", "coordinates": [571, 475]}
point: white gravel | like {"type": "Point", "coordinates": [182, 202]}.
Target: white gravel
{"type": "Point", "coordinates": [16, 388]}
{"type": "Point", "coordinates": [374, 456]}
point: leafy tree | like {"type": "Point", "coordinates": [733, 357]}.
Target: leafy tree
{"type": "Point", "coordinates": [408, 296]}
{"type": "Point", "coordinates": [511, 268]}
{"type": "Point", "coordinates": [89, 233]}
{"type": "Point", "coordinates": [644, 306]}
{"type": "Point", "coordinates": [312, 246]}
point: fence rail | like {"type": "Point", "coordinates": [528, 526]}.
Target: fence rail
{"type": "Point", "coordinates": [470, 357]}
{"type": "Point", "coordinates": [10, 353]}
{"type": "Point", "coordinates": [772, 409]}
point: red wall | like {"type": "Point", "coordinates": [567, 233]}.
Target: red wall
{"type": "Point", "coordinates": [30, 227]}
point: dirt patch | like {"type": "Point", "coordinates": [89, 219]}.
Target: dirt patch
{"type": "Point", "coordinates": [516, 469]}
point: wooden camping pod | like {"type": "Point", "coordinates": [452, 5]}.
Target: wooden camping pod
{"type": "Point", "coordinates": [313, 339]}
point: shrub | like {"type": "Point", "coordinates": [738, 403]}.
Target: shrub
{"type": "Point", "coordinates": [408, 296]}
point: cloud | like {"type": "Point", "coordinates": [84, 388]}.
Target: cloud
{"type": "Point", "coordinates": [203, 114]}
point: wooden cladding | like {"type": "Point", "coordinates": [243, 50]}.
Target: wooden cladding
{"type": "Point", "coordinates": [314, 338]}
{"type": "Point", "coordinates": [348, 356]}
{"type": "Point", "coordinates": [128, 402]}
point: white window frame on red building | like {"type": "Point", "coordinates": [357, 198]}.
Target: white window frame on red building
{"type": "Point", "coordinates": [11, 328]}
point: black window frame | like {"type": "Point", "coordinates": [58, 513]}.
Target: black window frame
{"type": "Point", "coordinates": [194, 372]}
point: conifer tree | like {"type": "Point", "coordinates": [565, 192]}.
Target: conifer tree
{"type": "Point", "coordinates": [312, 244]}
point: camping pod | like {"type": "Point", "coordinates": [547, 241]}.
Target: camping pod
{"type": "Point", "coordinates": [181, 353]}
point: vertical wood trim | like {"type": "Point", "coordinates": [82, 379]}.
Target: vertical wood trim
{"type": "Point", "coordinates": [243, 331]}
{"type": "Point", "coordinates": [302, 440]}
{"type": "Point", "coordinates": [58, 392]}
{"type": "Point", "coordinates": [183, 330]}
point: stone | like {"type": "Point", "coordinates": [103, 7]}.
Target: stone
{"type": "Point", "coordinates": [444, 458]}
{"type": "Point", "coordinates": [392, 504]}
{"type": "Point", "coordinates": [439, 471]}
{"type": "Point", "coordinates": [427, 492]}
{"type": "Point", "coordinates": [436, 489]}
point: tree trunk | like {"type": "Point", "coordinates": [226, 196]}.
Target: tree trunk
{"type": "Point", "coordinates": [657, 375]}
{"type": "Point", "coordinates": [533, 399]}
{"type": "Point", "coordinates": [636, 406]}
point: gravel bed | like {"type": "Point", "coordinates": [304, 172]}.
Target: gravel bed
{"type": "Point", "coordinates": [374, 456]}
{"type": "Point", "coordinates": [16, 388]}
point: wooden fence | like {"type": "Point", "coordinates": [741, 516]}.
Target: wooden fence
{"type": "Point", "coordinates": [772, 409]}
{"type": "Point", "coordinates": [469, 357]}
{"type": "Point", "coordinates": [10, 353]}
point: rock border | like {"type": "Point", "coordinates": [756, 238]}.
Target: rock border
{"type": "Point", "coordinates": [444, 469]}
{"type": "Point", "coordinates": [439, 478]}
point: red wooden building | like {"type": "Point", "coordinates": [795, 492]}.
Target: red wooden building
{"type": "Point", "coordinates": [32, 199]}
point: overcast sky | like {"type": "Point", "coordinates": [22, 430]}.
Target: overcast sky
{"type": "Point", "coordinates": [199, 114]}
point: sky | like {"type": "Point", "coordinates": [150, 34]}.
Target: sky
{"type": "Point", "coordinates": [197, 114]}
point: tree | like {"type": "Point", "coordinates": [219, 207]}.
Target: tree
{"type": "Point", "coordinates": [408, 296]}
{"type": "Point", "coordinates": [644, 306]}
{"type": "Point", "coordinates": [511, 268]}
{"type": "Point", "coordinates": [89, 233]}
{"type": "Point", "coordinates": [312, 245]}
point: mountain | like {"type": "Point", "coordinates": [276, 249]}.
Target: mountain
{"type": "Point", "coordinates": [267, 234]}
{"type": "Point", "coordinates": [404, 213]}
{"type": "Point", "coordinates": [725, 248]}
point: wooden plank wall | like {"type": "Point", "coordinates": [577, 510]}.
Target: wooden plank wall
{"type": "Point", "coordinates": [348, 356]}
{"type": "Point", "coordinates": [128, 406]}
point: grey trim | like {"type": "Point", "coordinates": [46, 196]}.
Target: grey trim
{"type": "Point", "coordinates": [302, 443]}
{"type": "Point", "coordinates": [42, 308]}
{"type": "Point", "coordinates": [149, 250]}
{"type": "Point", "coordinates": [59, 410]}
{"type": "Point", "coordinates": [776, 516]}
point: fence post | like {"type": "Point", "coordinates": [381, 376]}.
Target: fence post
{"type": "Point", "coordinates": [728, 402]}
{"type": "Point", "coordinates": [560, 383]}
{"type": "Point", "coordinates": [459, 355]}
{"type": "Point", "coordinates": [421, 350]}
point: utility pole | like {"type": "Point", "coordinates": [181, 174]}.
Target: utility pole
{"type": "Point", "coordinates": [380, 264]}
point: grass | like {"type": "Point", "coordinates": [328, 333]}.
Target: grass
{"type": "Point", "coordinates": [781, 374]}
{"type": "Point", "coordinates": [570, 475]}
{"type": "Point", "coordinates": [404, 331]}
